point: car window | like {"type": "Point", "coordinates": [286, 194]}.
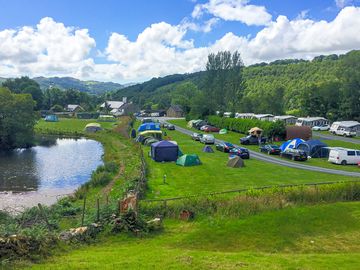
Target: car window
{"type": "Point", "coordinates": [351, 153]}
{"type": "Point", "coordinates": [358, 153]}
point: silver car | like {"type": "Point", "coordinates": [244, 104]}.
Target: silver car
{"type": "Point", "coordinates": [207, 139]}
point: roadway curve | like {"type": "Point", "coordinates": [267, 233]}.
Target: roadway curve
{"type": "Point", "coordinates": [283, 162]}
{"type": "Point", "coordinates": [336, 138]}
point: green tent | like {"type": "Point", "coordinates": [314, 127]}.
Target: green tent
{"type": "Point", "coordinates": [188, 160]}
{"type": "Point", "coordinates": [223, 131]}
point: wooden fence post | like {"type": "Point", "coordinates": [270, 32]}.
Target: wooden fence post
{"type": "Point", "coordinates": [83, 212]}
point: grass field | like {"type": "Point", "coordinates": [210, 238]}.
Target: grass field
{"type": "Point", "coordinates": [234, 137]}
{"type": "Point", "coordinates": [294, 238]}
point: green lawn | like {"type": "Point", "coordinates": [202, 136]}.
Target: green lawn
{"type": "Point", "coordinates": [71, 125]}
{"type": "Point", "coordinates": [234, 137]}
{"type": "Point", "coordinates": [213, 175]}
{"type": "Point", "coordinates": [312, 237]}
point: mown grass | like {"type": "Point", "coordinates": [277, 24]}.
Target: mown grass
{"type": "Point", "coordinates": [295, 238]}
{"type": "Point", "coordinates": [213, 175]}
{"type": "Point", "coordinates": [234, 137]}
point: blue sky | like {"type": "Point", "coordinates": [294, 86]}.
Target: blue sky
{"type": "Point", "coordinates": [100, 38]}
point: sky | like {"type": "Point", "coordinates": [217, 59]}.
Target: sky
{"type": "Point", "coordinates": [134, 40]}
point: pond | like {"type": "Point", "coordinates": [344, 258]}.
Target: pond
{"type": "Point", "coordinates": [46, 172]}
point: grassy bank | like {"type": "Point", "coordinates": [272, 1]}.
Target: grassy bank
{"type": "Point", "coordinates": [296, 238]}
{"type": "Point", "coordinates": [234, 137]}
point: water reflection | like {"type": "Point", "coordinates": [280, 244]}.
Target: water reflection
{"type": "Point", "coordinates": [54, 166]}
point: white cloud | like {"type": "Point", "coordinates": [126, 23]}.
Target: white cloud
{"type": "Point", "coordinates": [51, 48]}
{"type": "Point", "coordinates": [206, 27]}
{"type": "Point", "coordinates": [234, 10]}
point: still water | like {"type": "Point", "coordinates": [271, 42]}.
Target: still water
{"type": "Point", "coordinates": [44, 173]}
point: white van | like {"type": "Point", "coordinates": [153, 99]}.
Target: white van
{"type": "Point", "coordinates": [344, 156]}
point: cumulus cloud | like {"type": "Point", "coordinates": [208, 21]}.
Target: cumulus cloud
{"type": "Point", "coordinates": [49, 48]}
{"type": "Point", "coordinates": [234, 10]}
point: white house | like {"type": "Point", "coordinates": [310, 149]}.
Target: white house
{"type": "Point", "coordinates": [312, 121]}
{"type": "Point", "coordinates": [287, 119]}
{"type": "Point", "coordinates": [73, 108]}
{"type": "Point", "coordinates": [119, 108]}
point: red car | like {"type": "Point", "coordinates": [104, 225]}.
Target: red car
{"type": "Point", "coordinates": [211, 129]}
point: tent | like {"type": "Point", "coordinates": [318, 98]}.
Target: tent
{"type": "Point", "coordinates": [149, 141]}
{"type": "Point", "coordinates": [164, 151]}
{"type": "Point", "coordinates": [149, 126]}
{"type": "Point", "coordinates": [236, 162]}
{"type": "Point", "coordinates": [93, 127]}
{"type": "Point", "coordinates": [188, 160]}
{"type": "Point", "coordinates": [223, 131]}
{"type": "Point", "coordinates": [190, 123]}
{"type": "Point", "coordinates": [51, 118]}
{"type": "Point", "coordinates": [157, 134]}
{"type": "Point", "coordinates": [291, 144]}
{"type": "Point", "coordinates": [180, 153]}
{"type": "Point", "coordinates": [314, 148]}
{"type": "Point", "coordinates": [140, 138]}
{"type": "Point", "coordinates": [208, 149]}
{"type": "Point", "coordinates": [255, 131]}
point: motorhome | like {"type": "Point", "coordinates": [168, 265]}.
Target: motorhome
{"type": "Point", "coordinates": [312, 121]}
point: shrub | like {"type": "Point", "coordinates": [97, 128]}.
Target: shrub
{"type": "Point", "coordinates": [244, 125]}
{"type": "Point", "coordinates": [100, 179]}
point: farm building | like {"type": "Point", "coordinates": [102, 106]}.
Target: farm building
{"type": "Point", "coordinates": [74, 108]}
{"type": "Point", "coordinates": [175, 111]}
{"type": "Point", "coordinates": [312, 121]}
{"type": "Point", "coordinates": [287, 119]}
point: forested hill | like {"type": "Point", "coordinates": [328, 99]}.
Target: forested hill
{"type": "Point", "coordinates": [284, 86]}
{"type": "Point", "coordinates": [91, 87]}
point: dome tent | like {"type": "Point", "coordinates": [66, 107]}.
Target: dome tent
{"type": "Point", "coordinates": [93, 127]}
{"type": "Point", "coordinates": [51, 118]}
{"type": "Point", "coordinates": [164, 151]}
{"type": "Point", "coordinates": [314, 148]}
{"type": "Point", "coordinates": [235, 162]}
{"type": "Point", "coordinates": [223, 131]}
{"type": "Point", "coordinates": [291, 144]}
{"type": "Point", "coordinates": [207, 149]}
{"type": "Point", "coordinates": [188, 160]}
{"type": "Point", "coordinates": [149, 126]}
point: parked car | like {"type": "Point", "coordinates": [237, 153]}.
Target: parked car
{"type": "Point", "coordinates": [211, 129]}
{"type": "Point", "coordinates": [250, 139]}
{"type": "Point", "coordinates": [323, 127]}
{"type": "Point", "coordinates": [207, 139]}
{"type": "Point", "coordinates": [345, 132]}
{"type": "Point", "coordinates": [294, 154]}
{"type": "Point", "coordinates": [270, 149]}
{"type": "Point", "coordinates": [196, 136]}
{"type": "Point", "coordinates": [344, 156]}
{"type": "Point", "coordinates": [224, 147]}
{"type": "Point", "coordinates": [241, 152]}
{"type": "Point", "coordinates": [170, 127]}
{"type": "Point", "coordinates": [203, 127]}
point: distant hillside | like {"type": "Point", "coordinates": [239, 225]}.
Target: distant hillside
{"type": "Point", "coordinates": [92, 87]}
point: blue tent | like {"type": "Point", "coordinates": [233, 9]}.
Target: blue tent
{"type": "Point", "coordinates": [208, 149]}
{"type": "Point", "coordinates": [314, 148]}
{"type": "Point", "coordinates": [149, 126]}
{"type": "Point", "coordinates": [291, 144]}
{"type": "Point", "coordinates": [164, 151]}
{"type": "Point", "coordinates": [51, 118]}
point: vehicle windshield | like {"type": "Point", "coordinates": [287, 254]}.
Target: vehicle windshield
{"type": "Point", "coordinates": [228, 144]}
{"type": "Point", "coordinates": [209, 136]}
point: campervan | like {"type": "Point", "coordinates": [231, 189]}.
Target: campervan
{"type": "Point", "coordinates": [344, 156]}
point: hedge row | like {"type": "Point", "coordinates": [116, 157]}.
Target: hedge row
{"type": "Point", "coordinates": [271, 129]}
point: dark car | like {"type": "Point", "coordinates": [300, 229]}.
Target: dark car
{"type": "Point", "coordinates": [241, 152]}
{"type": "Point", "coordinates": [196, 136]}
{"type": "Point", "coordinates": [250, 139]}
{"type": "Point", "coordinates": [170, 127]}
{"type": "Point", "coordinates": [224, 147]}
{"type": "Point", "coordinates": [294, 154]}
{"type": "Point", "coordinates": [200, 124]}
{"type": "Point", "coordinates": [211, 129]}
{"type": "Point", "coordinates": [270, 149]}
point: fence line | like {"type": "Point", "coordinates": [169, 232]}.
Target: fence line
{"type": "Point", "coordinates": [164, 200]}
